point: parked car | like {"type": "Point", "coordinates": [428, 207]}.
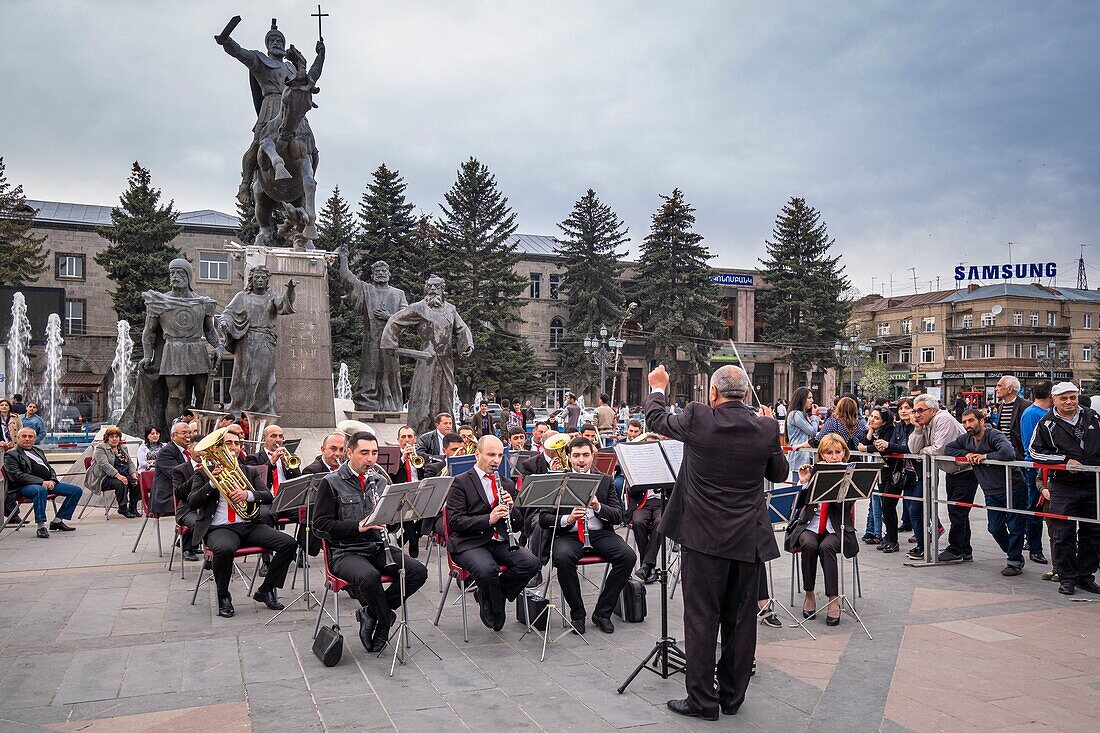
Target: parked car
{"type": "Point", "coordinates": [70, 419]}
{"type": "Point", "coordinates": [495, 410]}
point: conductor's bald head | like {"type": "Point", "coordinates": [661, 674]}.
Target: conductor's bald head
{"type": "Point", "coordinates": [728, 383]}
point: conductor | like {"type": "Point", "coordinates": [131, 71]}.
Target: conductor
{"type": "Point", "coordinates": [718, 514]}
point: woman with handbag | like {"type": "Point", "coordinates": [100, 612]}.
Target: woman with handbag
{"type": "Point", "coordinates": [883, 436]}
{"type": "Point", "coordinates": [814, 533]}
{"type": "Point", "coordinates": [113, 470]}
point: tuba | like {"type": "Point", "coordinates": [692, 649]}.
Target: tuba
{"type": "Point", "coordinates": [214, 454]}
{"type": "Point", "coordinates": [257, 423]}
{"type": "Point", "coordinates": [555, 446]}
{"type": "Point", "coordinates": [206, 419]}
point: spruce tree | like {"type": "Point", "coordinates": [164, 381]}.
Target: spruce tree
{"type": "Point", "coordinates": [677, 295]}
{"type": "Point", "coordinates": [140, 245]}
{"type": "Point", "coordinates": [477, 259]}
{"type": "Point", "coordinates": [387, 228]}
{"type": "Point", "coordinates": [336, 229]}
{"type": "Point", "coordinates": [804, 307]}
{"type": "Point", "coordinates": [22, 258]}
{"type": "Point", "coordinates": [590, 283]}
{"type": "Point", "coordinates": [247, 226]}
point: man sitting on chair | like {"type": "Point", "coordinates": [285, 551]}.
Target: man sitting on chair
{"type": "Point", "coordinates": [223, 532]}
{"type": "Point", "coordinates": [600, 518]}
{"type": "Point", "coordinates": [332, 455]}
{"type": "Point", "coordinates": [477, 504]}
{"type": "Point", "coordinates": [358, 552]}
{"type": "Point", "coordinates": [30, 474]}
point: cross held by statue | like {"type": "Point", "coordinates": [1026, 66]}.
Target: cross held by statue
{"type": "Point", "coordinates": [318, 15]}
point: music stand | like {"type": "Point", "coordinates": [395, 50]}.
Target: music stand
{"type": "Point", "coordinates": [401, 503]}
{"type": "Point", "coordinates": [843, 482]}
{"type": "Point", "coordinates": [294, 494]}
{"type": "Point", "coordinates": [550, 491]}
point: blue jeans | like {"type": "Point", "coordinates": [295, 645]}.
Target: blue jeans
{"type": "Point", "coordinates": [37, 493]}
{"type": "Point", "coordinates": [1008, 528]}
{"type": "Point", "coordinates": [1033, 526]}
{"type": "Point", "coordinates": [874, 515]}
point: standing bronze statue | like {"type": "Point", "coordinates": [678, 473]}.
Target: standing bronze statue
{"type": "Point", "coordinates": [376, 300]}
{"type": "Point", "coordinates": [249, 324]}
{"type": "Point", "coordinates": [279, 166]}
{"type": "Point", "coordinates": [443, 334]}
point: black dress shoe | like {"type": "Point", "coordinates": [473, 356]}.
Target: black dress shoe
{"type": "Point", "coordinates": [832, 620]}
{"type": "Point", "coordinates": [888, 547]}
{"type": "Point", "coordinates": [366, 627]}
{"type": "Point", "coordinates": [728, 708]}
{"type": "Point", "coordinates": [1065, 587]}
{"type": "Point", "coordinates": [225, 607]}
{"type": "Point", "coordinates": [191, 556]}
{"type": "Point", "coordinates": [1089, 585]}
{"type": "Point", "coordinates": [1038, 557]}
{"type": "Point", "coordinates": [642, 573]}
{"type": "Point", "coordinates": [382, 634]}
{"type": "Point", "coordinates": [578, 625]}
{"type": "Point", "coordinates": [488, 617]}
{"type": "Point", "coordinates": [499, 619]}
{"type": "Point", "coordinates": [42, 533]}
{"type": "Point", "coordinates": [652, 578]}
{"type": "Point", "coordinates": [59, 526]}
{"type": "Point", "coordinates": [269, 599]}
{"type": "Point", "coordinates": [683, 707]}
{"type": "Point", "coordinates": [603, 624]}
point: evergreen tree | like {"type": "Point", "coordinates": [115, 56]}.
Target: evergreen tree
{"type": "Point", "coordinates": [140, 245]}
{"type": "Point", "coordinates": [22, 258]}
{"type": "Point", "coordinates": [335, 229]}
{"type": "Point", "coordinates": [804, 308]}
{"type": "Point", "coordinates": [590, 285]}
{"type": "Point", "coordinates": [677, 295]}
{"type": "Point", "coordinates": [247, 225]}
{"type": "Point", "coordinates": [388, 229]}
{"type": "Point", "coordinates": [477, 259]}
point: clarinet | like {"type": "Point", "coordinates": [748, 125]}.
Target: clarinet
{"type": "Point", "coordinates": [373, 478]}
{"type": "Point", "coordinates": [587, 535]}
{"type": "Point", "coordinates": [512, 544]}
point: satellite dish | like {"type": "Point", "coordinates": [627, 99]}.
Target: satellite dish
{"type": "Point", "coordinates": [996, 310]}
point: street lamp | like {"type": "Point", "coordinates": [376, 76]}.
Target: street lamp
{"type": "Point", "coordinates": [1051, 357]}
{"type": "Point", "coordinates": [603, 351]}
{"type": "Point", "coordinates": [850, 354]}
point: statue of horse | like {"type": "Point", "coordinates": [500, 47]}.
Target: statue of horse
{"type": "Point", "coordinates": [286, 161]}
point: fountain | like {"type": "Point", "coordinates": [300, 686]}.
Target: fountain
{"type": "Point", "coordinates": [456, 407]}
{"type": "Point", "coordinates": [123, 369]}
{"type": "Point", "coordinates": [478, 399]}
{"type": "Point", "coordinates": [51, 391]}
{"type": "Point", "coordinates": [19, 339]}
{"type": "Point", "coordinates": [343, 383]}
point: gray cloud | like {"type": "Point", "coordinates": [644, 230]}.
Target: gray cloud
{"type": "Point", "coordinates": [926, 134]}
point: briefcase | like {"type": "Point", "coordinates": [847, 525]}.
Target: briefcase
{"type": "Point", "coordinates": [535, 606]}
{"type": "Point", "coordinates": [630, 606]}
{"type": "Point", "coordinates": [329, 645]}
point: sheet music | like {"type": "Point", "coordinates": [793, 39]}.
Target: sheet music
{"type": "Point", "coordinates": [389, 503]}
{"type": "Point", "coordinates": [674, 452]}
{"type": "Point", "coordinates": [644, 464]}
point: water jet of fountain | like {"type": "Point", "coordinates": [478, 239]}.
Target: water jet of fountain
{"type": "Point", "coordinates": [123, 369]}
{"type": "Point", "coordinates": [343, 383]}
{"type": "Point", "coordinates": [19, 340]}
{"type": "Point", "coordinates": [51, 391]}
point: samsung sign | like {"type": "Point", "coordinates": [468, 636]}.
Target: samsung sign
{"type": "Point", "coordinates": [731, 279]}
{"type": "Point", "coordinates": [1033, 270]}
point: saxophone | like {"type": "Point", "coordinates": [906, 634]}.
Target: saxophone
{"type": "Point", "coordinates": [232, 478]}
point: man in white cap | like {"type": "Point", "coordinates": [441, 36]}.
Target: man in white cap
{"type": "Point", "coordinates": [1070, 434]}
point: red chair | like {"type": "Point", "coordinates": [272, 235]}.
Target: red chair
{"type": "Point", "coordinates": [145, 483]}
{"type": "Point", "coordinates": [459, 573]}
{"type": "Point", "coordinates": [335, 584]}
{"type": "Point", "coordinates": [208, 555]}
{"type": "Point", "coordinates": [110, 501]}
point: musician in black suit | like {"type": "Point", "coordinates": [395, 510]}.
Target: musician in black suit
{"type": "Point", "coordinates": [718, 514]}
{"type": "Point", "coordinates": [332, 455]}
{"type": "Point", "coordinates": [272, 453]}
{"type": "Point", "coordinates": [223, 533]}
{"type": "Point", "coordinates": [431, 442]}
{"type": "Point", "coordinates": [477, 504]}
{"type": "Point", "coordinates": [168, 458]}
{"type": "Point", "coordinates": [406, 472]}
{"type": "Point", "coordinates": [598, 521]}
{"type": "Point", "coordinates": [185, 516]}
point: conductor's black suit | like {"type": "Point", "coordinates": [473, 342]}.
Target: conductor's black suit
{"type": "Point", "coordinates": [718, 514]}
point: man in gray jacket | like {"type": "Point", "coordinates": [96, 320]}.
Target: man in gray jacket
{"type": "Point", "coordinates": [978, 445]}
{"type": "Point", "coordinates": [935, 428]}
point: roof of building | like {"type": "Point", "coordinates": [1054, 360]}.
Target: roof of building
{"type": "Point", "coordinates": [58, 212]}
{"type": "Point", "coordinates": [536, 244]}
{"type": "Point", "coordinates": [1039, 291]}
{"type": "Point", "coordinates": [1019, 290]}
{"type": "Point", "coordinates": [905, 301]}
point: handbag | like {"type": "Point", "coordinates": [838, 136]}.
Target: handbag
{"type": "Point", "coordinates": [329, 645]}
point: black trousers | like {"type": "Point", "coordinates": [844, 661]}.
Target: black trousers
{"type": "Point", "coordinates": [568, 551]}
{"type": "Point", "coordinates": [719, 594]}
{"type": "Point", "coordinates": [823, 546]}
{"type": "Point", "coordinates": [1075, 546]}
{"type": "Point", "coordinates": [410, 533]}
{"type": "Point", "coordinates": [365, 574]}
{"type": "Point", "coordinates": [226, 539]}
{"type": "Point", "coordinates": [188, 520]}
{"type": "Point", "coordinates": [127, 493]}
{"type": "Point", "coordinates": [960, 487]}
{"type": "Point", "coordinates": [484, 565]}
{"type": "Point", "coordinates": [646, 536]}
{"type": "Point", "coordinates": [889, 518]}
{"type": "Point", "coordinates": [762, 593]}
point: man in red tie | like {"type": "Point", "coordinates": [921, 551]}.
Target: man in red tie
{"type": "Point", "coordinates": [477, 504]}
{"type": "Point", "coordinates": [406, 472]}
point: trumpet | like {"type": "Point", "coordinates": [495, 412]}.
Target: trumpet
{"type": "Point", "coordinates": [415, 458]}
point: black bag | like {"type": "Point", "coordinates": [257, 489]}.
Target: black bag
{"type": "Point", "coordinates": [329, 645]}
{"type": "Point", "coordinates": [534, 604]}
{"type": "Point", "coordinates": [630, 606]}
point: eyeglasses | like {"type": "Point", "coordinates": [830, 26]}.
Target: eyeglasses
{"type": "Point", "coordinates": [920, 410]}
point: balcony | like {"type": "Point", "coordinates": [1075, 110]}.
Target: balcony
{"type": "Point", "coordinates": [1020, 332]}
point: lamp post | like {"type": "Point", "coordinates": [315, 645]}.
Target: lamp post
{"type": "Point", "coordinates": [850, 353]}
{"type": "Point", "coordinates": [1052, 357]}
{"type": "Point", "coordinates": [602, 350]}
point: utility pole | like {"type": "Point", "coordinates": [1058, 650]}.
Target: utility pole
{"type": "Point", "coordinates": [1082, 278]}
{"type": "Point", "coordinates": [914, 271]}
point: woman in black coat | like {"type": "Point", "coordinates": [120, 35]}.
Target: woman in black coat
{"type": "Point", "coordinates": [885, 436]}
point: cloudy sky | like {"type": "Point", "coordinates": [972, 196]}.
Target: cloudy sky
{"type": "Point", "coordinates": [927, 134]}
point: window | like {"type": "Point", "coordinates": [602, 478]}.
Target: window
{"type": "Point", "coordinates": [557, 331]}
{"type": "Point", "coordinates": [968, 321]}
{"type": "Point", "coordinates": [1034, 319]}
{"type": "Point", "coordinates": [883, 356]}
{"type": "Point", "coordinates": [964, 351]}
{"type": "Point", "coordinates": [1033, 351]}
{"type": "Point", "coordinates": [884, 329]}
{"type": "Point", "coordinates": [907, 327]}
{"type": "Point", "coordinates": [987, 351]}
{"type": "Point", "coordinates": [1086, 320]}
{"type": "Point", "coordinates": [1052, 318]}
{"type": "Point", "coordinates": [988, 319]}
{"type": "Point", "coordinates": [74, 317]}
{"type": "Point", "coordinates": [1017, 350]}
{"type": "Point", "coordinates": [1017, 318]}
{"type": "Point", "coordinates": [70, 267]}
{"type": "Point", "coordinates": [905, 356]}
{"type": "Point", "coordinates": [1086, 353]}
{"type": "Point", "coordinates": [214, 266]}
{"type": "Point", "coordinates": [927, 355]}
{"type": "Point", "coordinates": [928, 325]}
{"type": "Point", "coordinates": [536, 285]}
{"type": "Point", "coordinates": [555, 281]}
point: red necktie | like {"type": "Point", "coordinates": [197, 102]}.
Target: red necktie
{"type": "Point", "coordinates": [363, 483]}
{"type": "Point", "coordinates": [824, 509]}
{"type": "Point", "coordinates": [496, 498]}
{"type": "Point", "coordinates": [274, 478]}
{"type": "Point", "coordinates": [580, 529]}
{"type": "Point", "coordinates": [408, 469]}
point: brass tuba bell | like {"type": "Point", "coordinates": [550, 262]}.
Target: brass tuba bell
{"type": "Point", "coordinates": [215, 453]}
{"type": "Point", "coordinates": [556, 446]}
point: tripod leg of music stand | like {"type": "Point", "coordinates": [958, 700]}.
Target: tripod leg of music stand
{"type": "Point", "coordinates": [642, 665]}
